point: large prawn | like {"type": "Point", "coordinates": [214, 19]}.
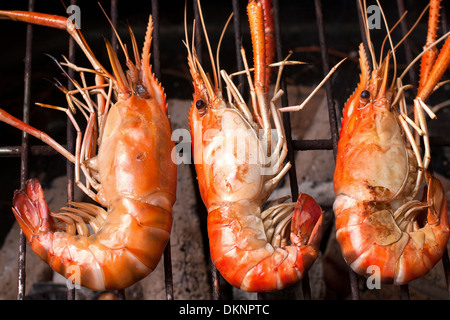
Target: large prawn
{"type": "Point", "coordinates": [132, 174]}
{"type": "Point", "coordinates": [379, 171]}
{"type": "Point", "coordinates": [254, 250]}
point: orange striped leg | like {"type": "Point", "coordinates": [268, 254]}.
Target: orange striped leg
{"type": "Point", "coordinates": [429, 57]}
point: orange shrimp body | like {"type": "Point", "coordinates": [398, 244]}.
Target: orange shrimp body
{"type": "Point", "coordinates": [379, 223]}
{"type": "Point", "coordinates": [254, 250]}
{"type": "Point", "coordinates": [234, 193]}
{"type": "Point", "coordinates": [136, 183]}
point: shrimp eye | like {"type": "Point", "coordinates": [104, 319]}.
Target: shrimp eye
{"type": "Point", "coordinates": [201, 107]}
{"type": "Point", "coordinates": [141, 91]}
{"type": "Point", "coordinates": [200, 104]}
{"type": "Point", "coordinates": [364, 99]}
{"type": "Point", "coordinates": [365, 95]}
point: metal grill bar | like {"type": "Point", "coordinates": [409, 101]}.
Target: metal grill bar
{"type": "Point", "coordinates": [16, 151]}
{"type": "Point", "coordinates": [238, 41]}
{"type": "Point", "coordinates": [306, 288]}
{"type": "Point", "coordinates": [70, 136]}
{"type": "Point", "coordinates": [404, 289]}
{"type": "Point", "coordinates": [114, 20]}
{"type": "Point", "coordinates": [326, 68]}
{"type": "Point", "coordinates": [304, 282]}
{"type": "Point", "coordinates": [25, 151]}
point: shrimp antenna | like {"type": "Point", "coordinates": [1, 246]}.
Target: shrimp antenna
{"type": "Point", "coordinates": [186, 40]}
{"type": "Point", "coordinates": [390, 32]}
{"type": "Point", "coordinates": [218, 47]}
{"type": "Point", "coordinates": [367, 32]}
{"type": "Point", "coordinates": [186, 37]}
{"type": "Point", "coordinates": [121, 79]}
{"type": "Point", "coordinates": [207, 43]}
{"type": "Point", "coordinates": [61, 68]}
{"type": "Point", "coordinates": [64, 5]}
{"type": "Point", "coordinates": [116, 33]}
{"type": "Point", "coordinates": [390, 42]}
{"type": "Point", "coordinates": [137, 58]}
{"type": "Point", "coordinates": [193, 39]}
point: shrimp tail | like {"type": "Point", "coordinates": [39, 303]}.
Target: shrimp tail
{"type": "Point", "coordinates": [35, 219]}
{"type": "Point", "coordinates": [401, 256]}
{"type": "Point", "coordinates": [306, 225]}
{"type": "Point", "coordinates": [306, 232]}
{"type": "Point", "coordinates": [31, 210]}
{"type": "Point", "coordinates": [437, 217]}
{"type": "Point", "coordinates": [125, 249]}
{"type": "Point", "coordinates": [284, 266]}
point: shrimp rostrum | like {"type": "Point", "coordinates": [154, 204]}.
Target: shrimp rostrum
{"type": "Point", "coordinates": [381, 220]}
{"type": "Point", "coordinates": [239, 162]}
{"type": "Point", "coordinates": [125, 157]}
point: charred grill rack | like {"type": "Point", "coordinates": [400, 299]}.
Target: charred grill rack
{"type": "Point", "coordinates": [25, 150]}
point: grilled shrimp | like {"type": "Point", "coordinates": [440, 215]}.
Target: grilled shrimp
{"type": "Point", "coordinates": [237, 170]}
{"type": "Point", "coordinates": [379, 171]}
{"type": "Point", "coordinates": [132, 174]}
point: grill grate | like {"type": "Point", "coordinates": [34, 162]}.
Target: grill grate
{"type": "Point", "coordinates": [25, 150]}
